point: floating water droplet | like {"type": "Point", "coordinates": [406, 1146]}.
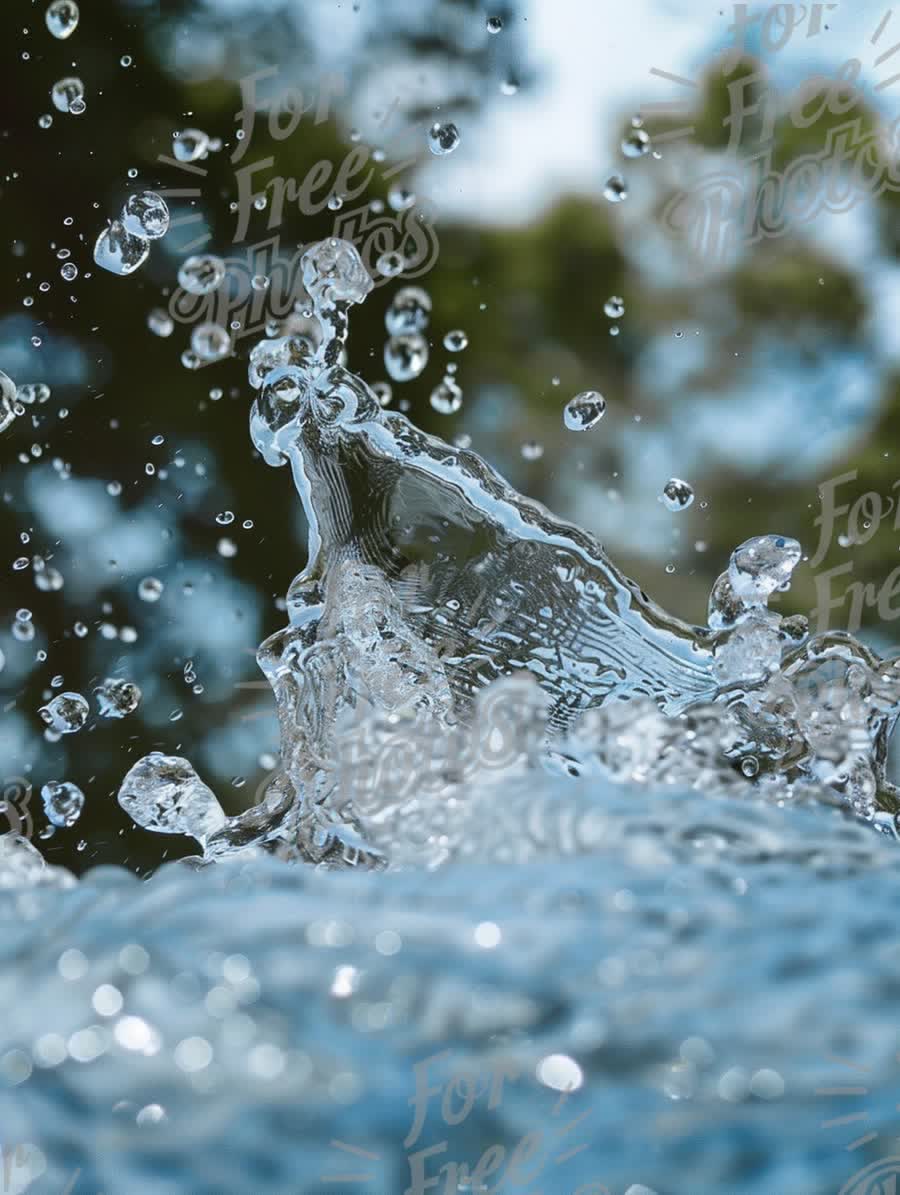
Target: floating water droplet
{"type": "Point", "coordinates": [456, 341]}
{"type": "Point", "coordinates": [190, 144]}
{"type": "Point", "coordinates": [7, 403]}
{"type": "Point", "coordinates": [677, 494]}
{"type": "Point", "coordinates": [405, 356]}
{"type": "Point", "coordinates": [150, 589]}
{"type": "Point", "coordinates": [401, 198]}
{"type": "Point", "coordinates": [126, 60]}
{"type": "Point", "coordinates": [66, 713]}
{"type": "Point", "coordinates": [446, 398]}
{"type": "Point", "coordinates": [160, 322]}
{"type": "Point", "coordinates": [225, 517]}
{"type": "Point", "coordinates": [260, 282]}
{"type": "Point", "coordinates": [49, 580]}
{"type": "Point", "coordinates": [66, 92]}
{"type": "Point", "coordinates": [116, 697]}
{"type": "Point", "coordinates": [383, 393]}
{"type": "Point", "coordinates": [614, 307]}
{"type": "Point", "coordinates": [45, 121]}
{"type": "Point", "coordinates": [335, 203]}
{"type": "Point", "coordinates": [494, 24]}
{"type": "Point", "coordinates": [410, 311]}
{"type": "Point", "coordinates": [63, 802]}
{"type": "Point", "coordinates": [615, 189]}
{"type": "Point", "coordinates": [210, 342]}
{"type": "Point", "coordinates": [636, 144]}
{"type": "Point", "coordinates": [443, 138]}
{"type": "Point", "coordinates": [509, 86]}
{"type": "Point", "coordinates": [120, 251]}
{"type": "Point", "coordinates": [146, 214]}
{"type": "Point", "coordinates": [69, 271]}
{"type": "Point", "coordinates": [227, 548]}
{"type": "Point", "coordinates": [532, 450]}
{"type": "Point", "coordinates": [390, 264]}
{"type": "Point", "coordinates": [62, 18]}
{"type": "Point", "coordinates": [584, 411]}
{"type": "Point", "coordinates": [202, 273]}
{"type": "Point", "coordinates": [163, 793]}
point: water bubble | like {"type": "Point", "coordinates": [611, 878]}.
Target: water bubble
{"type": "Point", "coordinates": [405, 356]}
{"type": "Point", "coordinates": [146, 214]}
{"type": "Point", "coordinates": [126, 60]}
{"type": "Point", "coordinates": [210, 342]}
{"type": "Point", "coordinates": [614, 307]}
{"type": "Point", "coordinates": [160, 322]}
{"type": "Point", "coordinates": [532, 450]}
{"type": "Point", "coordinates": [150, 589]}
{"type": "Point", "coordinates": [66, 92]}
{"type": "Point", "coordinates": [446, 398]}
{"type": "Point", "coordinates": [456, 341]}
{"type": "Point", "coordinates": [62, 18]}
{"type": "Point", "coordinates": [202, 273]}
{"type": "Point", "coordinates": [677, 494]}
{"type": "Point", "coordinates": [116, 697]}
{"type": "Point", "coordinates": [443, 138]}
{"type": "Point", "coordinates": [63, 802]}
{"type": "Point", "coordinates": [45, 121]}
{"type": "Point", "coordinates": [615, 189]}
{"type": "Point", "coordinates": [66, 713]}
{"type": "Point", "coordinates": [401, 198]}
{"type": "Point", "coordinates": [69, 271]}
{"type": "Point", "coordinates": [190, 144]}
{"type": "Point", "coordinates": [494, 24]}
{"type": "Point", "coordinates": [119, 251]}
{"type": "Point", "coordinates": [584, 411]}
{"type": "Point", "coordinates": [636, 144]}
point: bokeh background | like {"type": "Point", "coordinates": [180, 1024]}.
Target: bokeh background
{"type": "Point", "coordinates": [755, 379]}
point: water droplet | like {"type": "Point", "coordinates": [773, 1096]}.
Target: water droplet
{"type": "Point", "coordinates": [410, 311]}
{"type": "Point", "coordinates": [120, 251]}
{"type": "Point", "coordinates": [614, 307]}
{"type": "Point", "coordinates": [69, 271]}
{"type": "Point", "coordinates": [405, 356]}
{"type": "Point", "coordinates": [636, 144]}
{"type": "Point", "coordinates": [63, 802]}
{"type": "Point", "coordinates": [494, 24]}
{"type": "Point", "coordinates": [225, 517]}
{"type": "Point", "coordinates": [383, 393]}
{"type": "Point", "coordinates": [126, 60]}
{"type": "Point", "coordinates": [62, 18]}
{"type": "Point", "coordinates": [150, 589]}
{"type": "Point", "coordinates": [260, 282]}
{"type": "Point", "coordinates": [401, 198]}
{"type": "Point", "coordinates": [146, 214]}
{"type": "Point", "coordinates": [390, 264]}
{"type": "Point", "coordinates": [509, 86]}
{"type": "Point", "coordinates": [66, 713]}
{"type": "Point", "coordinates": [532, 450]}
{"type": "Point", "coordinates": [584, 411]}
{"type": "Point", "coordinates": [160, 322]}
{"type": "Point", "coordinates": [66, 92]}
{"type": "Point", "coordinates": [227, 548]}
{"type": "Point", "coordinates": [190, 144]}
{"type": "Point", "coordinates": [116, 697]}
{"type": "Point", "coordinates": [45, 121]}
{"type": "Point", "coordinates": [443, 138]}
{"type": "Point", "coordinates": [210, 342]}
{"type": "Point", "coordinates": [335, 203]}
{"type": "Point", "coordinates": [677, 494]}
{"type": "Point", "coordinates": [7, 402]}
{"type": "Point", "coordinates": [163, 793]}
{"type": "Point", "coordinates": [456, 341]}
{"type": "Point", "coordinates": [615, 189]}
{"type": "Point", "coordinates": [446, 398]}
{"type": "Point", "coordinates": [202, 273]}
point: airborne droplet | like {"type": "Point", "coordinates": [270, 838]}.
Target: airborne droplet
{"type": "Point", "coordinates": [582, 412]}
{"type": "Point", "coordinates": [146, 214]}
{"type": "Point", "coordinates": [62, 18]}
{"type": "Point", "coordinates": [615, 189]}
{"type": "Point", "coordinates": [443, 138]}
{"type": "Point", "coordinates": [677, 494]}
{"type": "Point", "coordinates": [68, 92]}
{"type": "Point", "coordinates": [405, 356]}
{"type": "Point", "coordinates": [119, 251]}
